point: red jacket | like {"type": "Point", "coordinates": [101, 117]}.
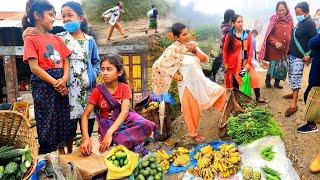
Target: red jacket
{"type": "Point", "coordinates": [231, 59]}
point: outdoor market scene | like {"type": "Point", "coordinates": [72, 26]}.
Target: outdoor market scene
{"type": "Point", "coordinates": [159, 90]}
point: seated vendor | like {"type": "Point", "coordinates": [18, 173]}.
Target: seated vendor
{"type": "Point", "coordinates": [117, 124]}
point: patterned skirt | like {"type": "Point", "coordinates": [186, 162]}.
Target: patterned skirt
{"type": "Point", "coordinates": [153, 23]}
{"type": "Point", "coordinates": [296, 67]}
{"type": "Point", "coordinates": [132, 132]}
{"type": "Point", "coordinates": [278, 69]}
{"type": "Point", "coordinates": [52, 114]}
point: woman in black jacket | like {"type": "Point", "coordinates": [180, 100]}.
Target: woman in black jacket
{"type": "Point", "coordinates": [314, 80]}
{"type": "Point", "coordinates": [299, 52]}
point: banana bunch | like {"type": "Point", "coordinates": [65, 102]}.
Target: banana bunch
{"type": "Point", "coordinates": [204, 162]}
{"type": "Point", "coordinates": [205, 151]}
{"type": "Point", "coordinates": [151, 106]}
{"type": "Point", "coordinates": [205, 173]}
{"type": "Point", "coordinates": [163, 159]}
{"type": "Point", "coordinates": [227, 160]}
{"type": "Point", "coordinates": [180, 156]}
{"type": "Point", "coordinates": [181, 160]}
{"type": "Point", "coordinates": [249, 174]}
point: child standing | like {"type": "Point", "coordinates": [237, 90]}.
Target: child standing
{"type": "Point", "coordinates": [84, 62]}
{"type": "Point", "coordinates": [117, 124]}
{"type": "Point", "coordinates": [46, 55]}
{"type": "Point", "coordinates": [153, 19]}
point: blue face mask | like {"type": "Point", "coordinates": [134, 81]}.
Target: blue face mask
{"type": "Point", "coordinates": [72, 26]}
{"type": "Point", "coordinates": [300, 18]}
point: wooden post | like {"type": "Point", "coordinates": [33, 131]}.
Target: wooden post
{"type": "Point", "coordinates": [10, 71]}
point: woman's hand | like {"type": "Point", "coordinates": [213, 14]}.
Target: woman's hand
{"type": "Point", "coordinates": [177, 77]}
{"type": "Point", "coordinates": [306, 59]}
{"type": "Point", "coordinates": [30, 31]}
{"type": "Point", "coordinates": [278, 45]}
{"type": "Point", "coordinates": [106, 142]}
{"type": "Point", "coordinates": [191, 46]}
{"type": "Point", "coordinates": [85, 147]}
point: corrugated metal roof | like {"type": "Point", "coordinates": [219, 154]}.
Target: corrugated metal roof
{"type": "Point", "coordinates": [11, 15]}
{"type": "Point", "coordinates": [13, 19]}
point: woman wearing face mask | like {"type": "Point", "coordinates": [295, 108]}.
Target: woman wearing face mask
{"type": "Point", "coordinates": [84, 62]}
{"type": "Point", "coordinates": [299, 52]}
{"type": "Point", "coordinates": [276, 43]}
{"type": "Point", "coordinates": [181, 62]}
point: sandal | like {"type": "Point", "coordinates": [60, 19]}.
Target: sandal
{"type": "Point", "coordinates": [290, 111]}
{"type": "Point", "coordinates": [261, 100]}
{"type": "Point", "coordinates": [288, 96]}
{"type": "Point", "coordinates": [199, 139]}
{"type": "Point", "coordinates": [125, 36]}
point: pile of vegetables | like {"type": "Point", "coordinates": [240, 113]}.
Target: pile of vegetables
{"type": "Point", "coordinates": [119, 158]}
{"type": "Point", "coordinates": [251, 125]}
{"type": "Point", "coordinates": [14, 162]}
{"type": "Point", "coordinates": [148, 170]}
{"type": "Point", "coordinates": [267, 153]}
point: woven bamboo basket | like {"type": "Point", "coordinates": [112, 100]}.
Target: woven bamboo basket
{"type": "Point", "coordinates": [153, 115]}
{"type": "Point", "coordinates": [15, 131]}
{"type": "Point", "coordinates": [235, 104]}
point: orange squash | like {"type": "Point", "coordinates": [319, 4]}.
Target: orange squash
{"type": "Point", "coordinates": [315, 165]}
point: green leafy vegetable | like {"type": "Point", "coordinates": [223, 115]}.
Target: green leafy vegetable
{"type": "Point", "coordinates": [251, 125]}
{"type": "Point", "coordinates": [271, 174]}
{"type": "Point", "coordinates": [267, 153]}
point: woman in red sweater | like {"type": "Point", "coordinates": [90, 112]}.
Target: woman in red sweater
{"type": "Point", "coordinates": [275, 46]}
{"type": "Point", "coordinates": [237, 56]}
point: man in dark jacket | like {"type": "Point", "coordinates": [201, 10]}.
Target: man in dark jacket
{"type": "Point", "coordinates": [226, 27]}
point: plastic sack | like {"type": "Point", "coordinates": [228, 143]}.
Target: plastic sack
{"type": "Point", "coordinates": [115, 172]}
{"type": "Point", "coordinates": [150, 13]}
{"type": "Point", "coordinates": [250, 156]}
{"type": "Point", "coordinates": [245, 86]}
{"type": "Point", "coordinates": [312, 108]}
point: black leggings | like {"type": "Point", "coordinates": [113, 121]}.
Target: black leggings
{"type": "Point", "coordinates": [235, 84]}
{"type": "Point", "coordinates": [306, 93]}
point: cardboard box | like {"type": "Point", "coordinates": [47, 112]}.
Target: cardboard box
{"type": "Point", "coordinates": [89, 166]}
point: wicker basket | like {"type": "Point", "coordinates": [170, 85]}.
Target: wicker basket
{"type": "Point", "coordinates": [15, 131]}
{"type": "Point", "coordinates": [21, 107]}
{"type": "Point", "coordinates": [153, 115]}
{"type": "Point", "coordinates": [235, 104]}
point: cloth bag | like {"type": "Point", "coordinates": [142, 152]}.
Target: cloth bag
{"type": "Point", "coordinates": [312, 108]}
{"type": "Point", "coordinates": [115, 172]}
{"type": "Point", "coordinates": [245, 86]}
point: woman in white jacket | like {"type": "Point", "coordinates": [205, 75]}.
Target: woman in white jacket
{"type": "Point", "coordinates": [114, 21]}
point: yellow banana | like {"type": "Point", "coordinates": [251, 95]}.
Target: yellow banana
{"type": "Point", "coordinates": [183, 150]}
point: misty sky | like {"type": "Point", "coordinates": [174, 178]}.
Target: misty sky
{"type": "Point", "coordinates": [19, 5]}
{"type": "Point", "coordinates": [219, 6]}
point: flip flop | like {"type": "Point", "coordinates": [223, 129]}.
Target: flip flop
{"type": "Point", "coordinates": [290, 111]}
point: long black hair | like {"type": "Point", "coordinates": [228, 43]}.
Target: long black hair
{"type": "Point", "coordinates": [284, 3]}
{"type": "Point", "coordinates": [77, 8]}
{"type": "Point", "coordinates": [117, 61]}
{"type": "Point", "coordinates": [32, 6]}
{"type": "Point", "coordinates": [228, 14]}
{"type": "Point", "coordinates": [231, 42]}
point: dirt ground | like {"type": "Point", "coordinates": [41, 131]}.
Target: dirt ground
{"type": "Point", "coordinates": [301, 148]}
